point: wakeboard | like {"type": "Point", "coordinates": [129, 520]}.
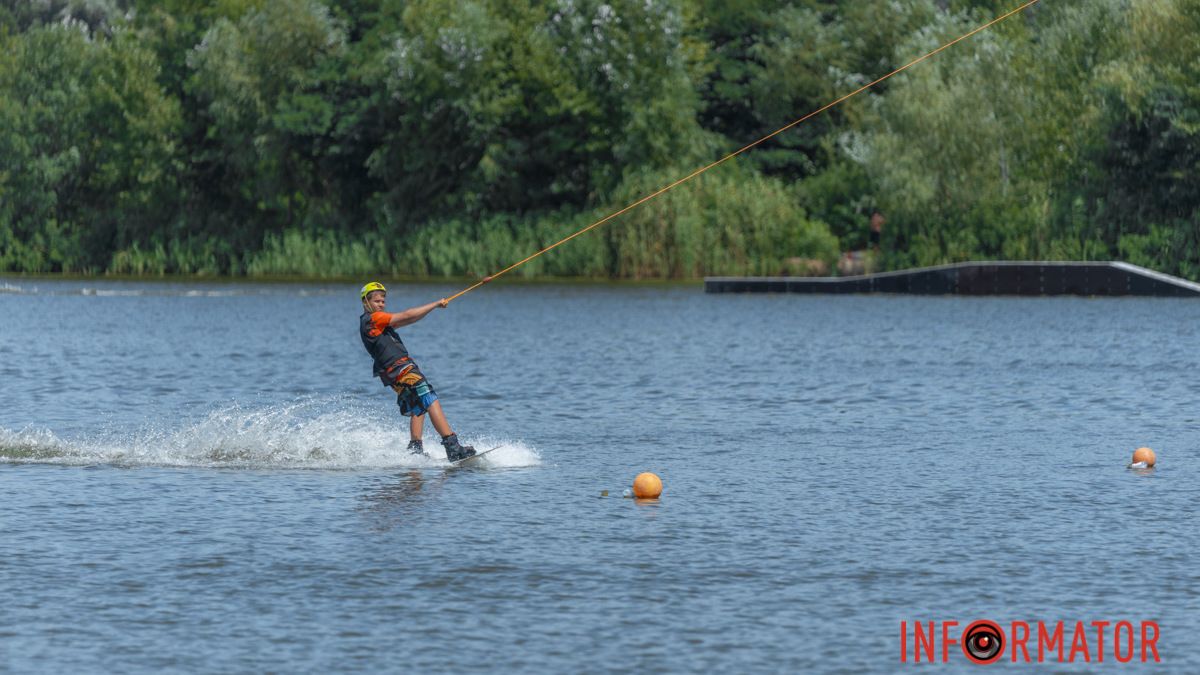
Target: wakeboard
{"type": "Point", "coordinates": [467, 461]}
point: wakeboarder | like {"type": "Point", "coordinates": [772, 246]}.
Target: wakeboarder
{"type": "Point", "coordinates": [394, 366]}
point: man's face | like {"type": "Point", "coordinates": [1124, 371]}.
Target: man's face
{"type": "Point", "coordinates": [376, 301]}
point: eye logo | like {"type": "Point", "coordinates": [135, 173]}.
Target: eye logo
{"type": "Point", "coordinates": [983, 642]}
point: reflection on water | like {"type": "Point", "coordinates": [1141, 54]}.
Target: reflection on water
{"type": "Point", "coordinates": [401, 498]}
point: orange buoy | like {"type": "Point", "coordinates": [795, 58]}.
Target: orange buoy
{"type": "Point", "coordinates": [647, 486]}
{"type": "Point", "coordinates": [1144, 455]}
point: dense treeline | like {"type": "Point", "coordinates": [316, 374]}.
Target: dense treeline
{"type": "Point", "coordinates": [426, 137]}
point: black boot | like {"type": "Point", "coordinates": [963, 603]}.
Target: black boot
{"type": "Point", "coordinates": [416, 447]}
{"type": "Point", "coordinates": [455, 450]}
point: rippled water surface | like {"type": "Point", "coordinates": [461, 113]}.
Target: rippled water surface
{"type": "Point", "coordinates": [205, 477]}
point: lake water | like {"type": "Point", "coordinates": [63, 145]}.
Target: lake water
{"type": "Point", "coordinates": [205, 477]}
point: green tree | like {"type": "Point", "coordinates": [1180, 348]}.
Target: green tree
{"type": "Point", "coordinates": [528, 106]}
{"type": "Point", "coordinates": [98, 16]}
{"type": "Point", "coordinates": [264, 82]}
{"type": "Point", "coordinates": [1143, 191]}
{"type": "Point", "coordinates": [972, 152]}
{"type": "Point", "coordinates": [315, 136]}
{"type": "Point", "coordinates": [88, 161]}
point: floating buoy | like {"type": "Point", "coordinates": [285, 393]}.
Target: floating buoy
{"type": "Point", "coordinates": [647, 486]}
{"type": "Point", "coordinates": [1144, 455]}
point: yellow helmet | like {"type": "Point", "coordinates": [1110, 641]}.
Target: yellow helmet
{"type": "Point", "coordinates": [371, 287]}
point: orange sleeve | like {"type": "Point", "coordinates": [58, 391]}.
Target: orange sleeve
{"type": "Point", "coordinates": [379, 321]}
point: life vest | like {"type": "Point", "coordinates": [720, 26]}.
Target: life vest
{"type": "Point", "coordinates": [383, 344]}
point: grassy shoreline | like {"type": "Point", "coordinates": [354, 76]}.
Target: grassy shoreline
{"type": "Point", "coordinates": [348, 279]}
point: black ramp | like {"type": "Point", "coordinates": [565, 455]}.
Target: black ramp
{"type": "Point", "coordinates": [979, 278]}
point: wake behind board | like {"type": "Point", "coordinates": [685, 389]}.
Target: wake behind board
{"type": "Point", "coordinates": [467, 461]}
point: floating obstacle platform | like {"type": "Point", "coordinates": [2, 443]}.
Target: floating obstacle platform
{"type": "Point", "coordinates": [979, 278]}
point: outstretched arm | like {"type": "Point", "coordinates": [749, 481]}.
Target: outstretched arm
{"type": "Point", "coordinates": [415, 314]}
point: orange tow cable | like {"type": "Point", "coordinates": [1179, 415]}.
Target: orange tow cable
{"type": "Point", "coordinates": [731, 155]}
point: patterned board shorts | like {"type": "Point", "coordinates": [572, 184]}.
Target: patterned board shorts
{"type": "Point", "coordinates": [414, 394]}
